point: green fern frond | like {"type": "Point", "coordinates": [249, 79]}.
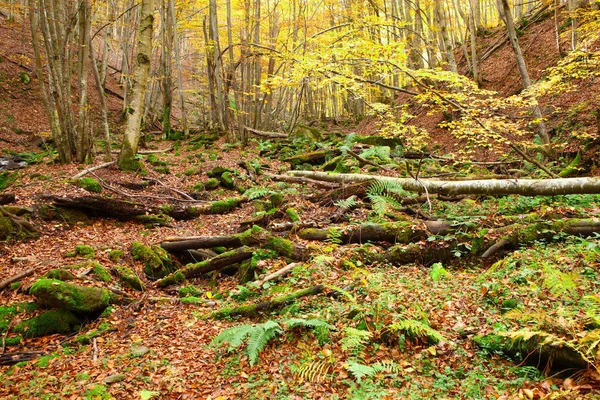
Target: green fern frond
{"type": "Point", "coordinates": [260, 337]}
{"type": "Point", "coordinates": [382, 187]}
{"type": "Point", "coordinates": [334, 236]}
{"type": "Point", "coordinates": [315, 371]}
{"type": "Point", "coordinates": [359, 371]}
{"type": "Point", "coordinates": [234, 336]}
{"type": "Point", "coordinates": [307, 323]}
{"type": "Point", "coordinates": [417, 329]}
{"type": "Point", "coordinates": [386, 366]}
{"type": "Point", "coordinates": [257, 192]}
{"type": "Point", "coordinates": [559, 282]}
{"type": "Point", "coordinates": [592, 308]}
{"type": "Point", "coordinates": [383, 204]}
{"type": "Point", "coordinates": [347, 204]}
{"type": "Point", "coordinates": [355, 340]}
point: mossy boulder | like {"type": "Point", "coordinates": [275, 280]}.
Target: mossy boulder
{"type": "Point", "coordinates": [60, 274]}
{"type": "Point", "coordinates": [9, 311]}
{"type": "Point", "coordinates": [217, 171]}
{"type": "Point", "coordinates": [189, 290]}
{"type": "Point", "coordinates": [82, 251]}
{"type": "Point", "coordinates": [100, 271]}
{"type": "Point", "coordinates": [48, 323]}
{"type": "Point", "coordinates": [115, 255]}
{"type": "Point", "coordinates": [53, 293]}
{"type": "Point", "coordinates": [157, 263]}
{"type": "Point", "coordinates": [212, 184]}
{"type": "Point", "coordinates": [90, 184]}
{"type": "Point", "coordinates": [72, 216]}
{"type": "Point", "coordinates": [227, 180]}
{"type": "Point", "coordinates": [129, 278]}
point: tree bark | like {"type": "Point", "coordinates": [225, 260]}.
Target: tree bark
{"type": "Point", "coordinates": [524, 187]}
{"type": "Point", "coordinates": [135, 111]}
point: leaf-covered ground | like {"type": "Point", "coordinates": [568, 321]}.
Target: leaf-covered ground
{"type": "Point", "coordinates": [387, 331]}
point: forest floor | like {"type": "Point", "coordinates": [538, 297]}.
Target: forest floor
{"type": "Point", "coordinates": [160, 342]}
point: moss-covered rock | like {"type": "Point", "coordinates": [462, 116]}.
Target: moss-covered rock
{"type": "Point", "coordinates": [292, 215]}
{"type": "Point", "coordinates": [129, 278]}
{"type": "Point", "coordinates": [115, 255]}
{"type": "Point", "coordinates": [212, 184]}
{"type": "Point", "coordinates": [157, 263]}
{"type": "Point", "coordinates": [9, 311]}
{"type": "Point", "coordinates": [72, 216]}
{"type": "Point", "coordinates": [101, 272]}
{"type": "Point", "coordinates": [48, 323]}
{"type": "Point", "coordinates": [90, 184]}
{"type": "Point", "coordinates": [53, 293]}
{"type": "Point", "coordinates": [223, 206]}
{"type": "Point", "coordinates": [60, 274]}
{"type": "Point", "coordinates": [227, 180]}
{"type": "Point", "coordinates": [189, 290]}
{"type": "Point", "coordinates": [217, 171]}
{"type": "Point", "coordinates": [82, 251]}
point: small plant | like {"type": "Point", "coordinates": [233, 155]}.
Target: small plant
{"type": "Point", "coordinates": [258, 337]}
{"type": "Point", "coordinates": [417, 330]}
{"type": "Point", "coordinates": [359, 371]}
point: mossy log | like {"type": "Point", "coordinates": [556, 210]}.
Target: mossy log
{"type": "Point", "coordinates": [52, 293]}
{"type": "Point", "coordinates": [127, 210]}
{"type": "Point", "coordinates": [394, 232]}
{"type": "Point", "coordinates": [157, 263]}
{"type": "Point", "coordinates": [203, 267]}
{"type": "Point", "coordinates": [312, 157]}
{"type": "Point", "coordinates": [540, 349]}
{"type": "Point", "coordinates": [251, 237]}
{"type": "Point", "coordinates": [492, 187]}
{"type": "Point", "coordinates": [266, 306]}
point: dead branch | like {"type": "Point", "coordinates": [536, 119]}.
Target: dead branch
{"type": "Point", "coordinates": [5, 283]}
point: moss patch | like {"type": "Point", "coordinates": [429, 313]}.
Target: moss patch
{"type": "Point", "coordinates": [82, 251]}
{"type": "Point", "coordinates": [60, 274]}
{"type": "Point", "coordinates": [157, 263]}
{"type": "Point", "coordinates": [48, 323]}
{"type": "Point", "coordinates": [129, 278]}
{"type": "Point", "coordinates": [101, 272]}
{"type": "Point", "coordinates": [80, 299]}
{"type": "Point", "coordinates": [115, 255]}
{"type": "Point", "coordinates": [72, 216]}
{"type": "Point", "coordinates": [90, 184]}
{"type": "Point", "coordinates": [190, 290]}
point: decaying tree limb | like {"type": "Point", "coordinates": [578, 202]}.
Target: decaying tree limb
{"type": "Point", "coordinates": [524, 187]}
{"type": "Point", "coordinates": [88, 170]}
{"type": "Point", "coordinates": [365, 161]}
{"type": "Point", "coordinates": [302, 181]}
{"type": "Point", "coordinates": [393, 232]}
{"type": "Point", "coordinates": [266, 306]}
{"type": "Point", "coordinates": [17, 357]}
{"type": "Point", "coordinates": [213, 264]}
{"type": "Point", "coordinates": [271, 135]}
{"type": "Point", "coordinates": [276, 274]}
{"type": "Point", "coordinates": [7, 198]}
{"type": "Point", "coordinates": [5, 283]}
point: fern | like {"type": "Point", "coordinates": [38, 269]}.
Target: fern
{"type": "Point", "coordinates": [355, 340]}
{"type": "Point", "coordinates": [259, 336]}
{"type": "Point", "coordinates": [315, 371]}
{"type": "Point", "coordinates": [257, 192]}
{"type": "Point", "coordinates": [359, 371]}
{"type": "Point", "coordinates": [307, 323]}
{"type": "Point", "coordinates": [418, 330]}
{"type": "Point", "coordinates": [438, 271]}
{"type": "Point", "coordinates": [592, 308]}
{"type": "Point", "coordinates": [559, 282]}
{"type": "Point", "coordinates": [347, 204]}
{"type": "Point", "coordinates": [334, 236]}
{"type": "Point", "coordinates": [385, 195]}
{"type": "Point", "coordinates": [381, 152]}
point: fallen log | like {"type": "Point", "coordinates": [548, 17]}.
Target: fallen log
{"type": "Point", "coordinates": [203, 267]}
{"type": "Point", "coordinates": [524, 187]}
{"type": "Point", "coordinates": [251, 237]}
{"type": "Point", "coordinates": [121, 209]}
{"type": "Point", "coordinates": [266, 306]}
{"type": "Point", "coordinates": [302, 181]}
{"type": "Point", "coordinates": [393, 232]}
{"type": "Point", "coordinates": [271, 135]}
{"type": "Point", "coordinates": [5, 283]}
{"type": "Point", "coordinates": [312, 157]}
{"type": "Point", "coordinates": [17, 357]}
{"type": "Point", "coordinates": [6, 198]}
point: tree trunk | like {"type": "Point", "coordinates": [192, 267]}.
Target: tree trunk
{"type": "Point", "coordinates": [524, 187]}
{"type": "Point", "coordinates": [132, 133]}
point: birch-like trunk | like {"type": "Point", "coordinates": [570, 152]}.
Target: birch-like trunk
{"type": "Point", "coordinates": [133, 123]}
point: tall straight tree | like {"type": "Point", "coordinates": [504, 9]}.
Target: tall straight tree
{"type": "Point", "coordinates": [505, 12]}
{"type": "Point", "coordinates": [131, 136]}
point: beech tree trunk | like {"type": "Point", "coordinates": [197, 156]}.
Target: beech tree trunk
{"type": "Point", "coordinates": [132, 133]}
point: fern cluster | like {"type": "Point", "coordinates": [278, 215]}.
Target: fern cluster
{"type": "Point", "coordinates": [359, 371]}
{"type": "Point", "coordinates": [385, 195]}
{"type": "Point", "coordinates": [417, 330]}
{"type": "Point", "coordinates": [257, 192]}
{"type": "Point", "coordinates": [260, 335]}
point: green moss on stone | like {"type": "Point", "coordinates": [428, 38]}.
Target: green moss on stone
{"type": "Point", "coordinates": [82, 251]}
{"type": "Point", "coordinates": [101, 272]}
{"type": "Point", "coordinates": [217, 171]}
{"type": "Point", "coordinates": [193, 300]}
{"type": "Point", "coordinates": [129, 278]}
{"type": "Point", "coordinates": [223, 206]}
{"type": "Point", "coordinates": [60, 274]}
{"type": "Point", "coordinates": [48, 323]}
{"type": "Point", "coordinates": [212, 183]}
{"type": "Point", "coordinates": [52, 293]}
{"type": "Point", "coordinates": [190, 290]}
{"type": "Point", "coordinates": [173, 279]}
{"type": "Point", "coordinates": [227, 180]}
{"type": "Point", "coordinates": [90, 184]}
{"type": "Point", "coordinates": [13, 340]}
{"type": "Point", "coordinates": [115, 255]}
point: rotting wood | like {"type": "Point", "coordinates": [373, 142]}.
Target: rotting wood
{"type": "Point", "coordinates": [17, 357]}
{"type": "Point", "coordinates": [524, 187]}
{"type": "Point", "coordinates": [271, 135]}
{"type": "Point", "coordinates": [266, 306]}
{"type": "Point", "coordinates": [88, 170]}
{"type": "Point", "coordinates": [393, 232]}
{"type": "Point", "coordinates": [23, 274]}
{"type": "Point", "coordinates": [302, 181]}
